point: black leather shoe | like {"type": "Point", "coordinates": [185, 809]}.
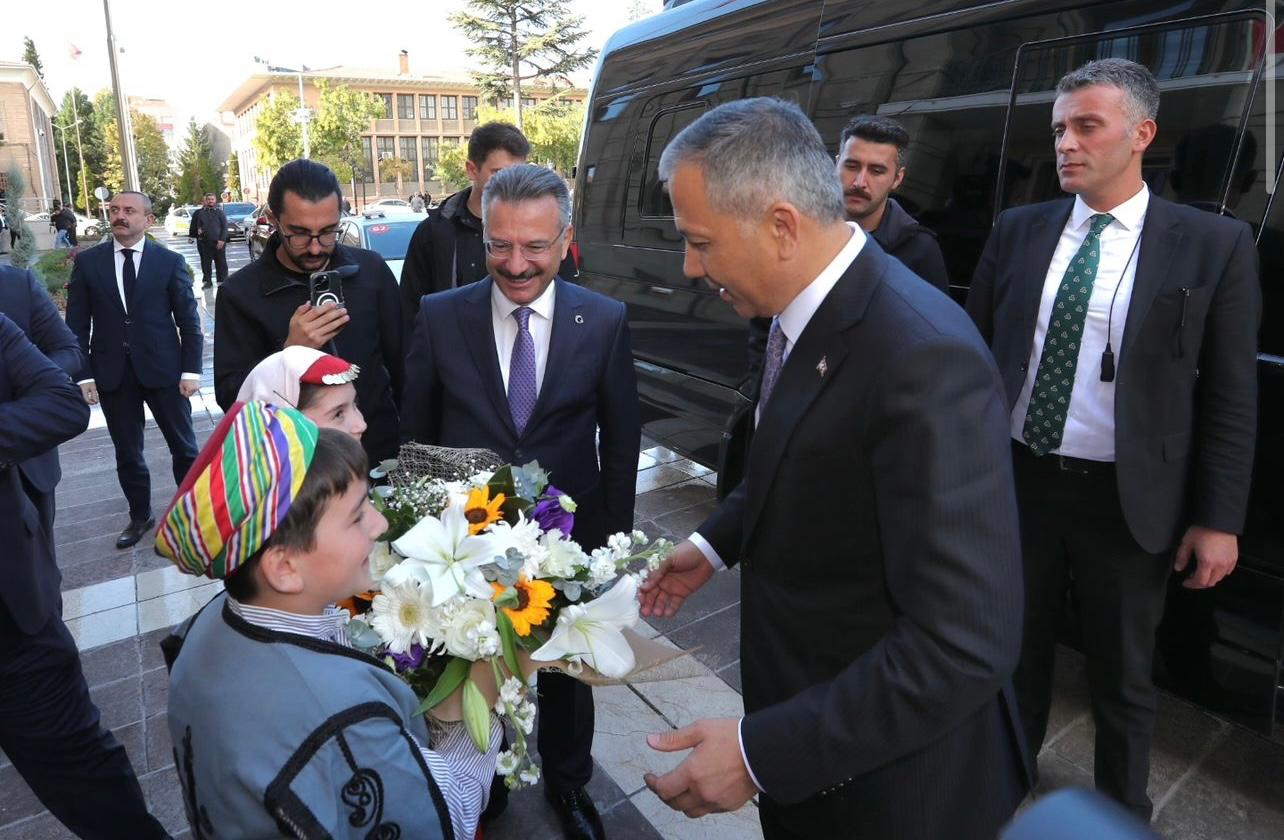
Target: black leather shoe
{"type": "Point", "coordinates": [135, 531]}
{"type": "Point", "coordinates": [208, 285]}
{"type": "Point", "coordinates": [578, 814]}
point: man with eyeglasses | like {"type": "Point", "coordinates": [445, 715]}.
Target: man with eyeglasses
{"type": "Point", "coordinates": [535, 368]}
{"type": "Point", "coordinates": [267, 304]}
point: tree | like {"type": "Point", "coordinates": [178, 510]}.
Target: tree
{"type": "Point", "coordinates": [75, 106]}
{"type": "Point", "coordinates": [30, 56]}
{"type": "Point", "coordinates": [393, 168]}
{"type": "Point", "coordinates": [552, 128]}
{"type": "Point", "coordinates": [197, 174]}
{"type": "Point", "coordinates": [234, 176]}
{"type": "Point", "coordinates": [519, 41]}
{"type": "Point", "coordinates": [24, 247]}
{"type": "Point", "coordinates": [277, 137]}
{"type": "Point", "coordinates": [343, 114]}
{"type": "Point", "coordinates": [639, 9]}
{"type": "Point", "coordinates": [152, 154]}
{"type": "Point", "coordinates": [450, 168]}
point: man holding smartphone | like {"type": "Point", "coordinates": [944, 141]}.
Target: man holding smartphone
{"type": "Point", "coordinates": [269, 304]}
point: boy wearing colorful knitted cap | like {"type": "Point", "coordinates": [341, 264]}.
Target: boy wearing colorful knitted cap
{"type": "Point", "coordinates": [318, 384]}
{"type": "Point", "coordinates": [280, 728]}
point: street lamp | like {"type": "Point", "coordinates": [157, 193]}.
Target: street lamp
{"type": "Point", "coordinates": [66, 164]}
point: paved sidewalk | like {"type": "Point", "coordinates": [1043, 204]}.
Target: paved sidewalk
{"type": "Point", "coordinates": [1210, 779]}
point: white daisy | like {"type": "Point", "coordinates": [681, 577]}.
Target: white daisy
{"type": "Point", "coordinates": [403, 615]}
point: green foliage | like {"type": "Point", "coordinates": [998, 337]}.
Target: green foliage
{"type": "Point", "coordinates": [77, 106]}
{"type": "Point", "coordinates": [278, 139]}
{"type": "Point", "coordinates": [552, 128]}
{"type": "Point", "coordinates": [54, 268]}
{"type": "Point", "coordinates": [451, 170]}
{"type": "Point", "coordinates": [30, 56]}
{"type": "Point", "coordinates": [392, 168]}
{"type": "Point", "coordinates": [234, 176]}
{"type": "Point", "coordinates": [150, 150]}
{"type": "Point", "coordinates": [342, 115]}
{"type": "Point", "coordinates": [197, 173]}
{"type": "Point", "coordinates": [24, 247]}
{"type": "Point", "coordinates": [518, 41]}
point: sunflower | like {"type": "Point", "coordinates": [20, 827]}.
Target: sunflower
{"type": "Point", "coordinates": [481, 510]}
{"type": "Point", "coordinates": [359, 603]}
{"type": "Point", "coordinates": [533, 600]}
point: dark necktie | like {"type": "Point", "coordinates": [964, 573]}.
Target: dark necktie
{"type": "Point", "coordinates": [130, 275]}
{"type": "Point", "coordinates": [1045, 418]}
{"type": "Point", "coordinates": [521, 371]}
{"type": "Point", "coordinates": [774, 360]}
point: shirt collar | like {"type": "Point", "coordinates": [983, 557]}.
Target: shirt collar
{"type": "Point", "coordinates": [541, 306]}
{"type": "Point", "coordinates": [1130, 214]}
{"type": "Point", "coordinates": [795, 317]}
{"type": "Point", "coordinates": [330, 626]}
{"type": "Point", "coordinates": [137, 247]}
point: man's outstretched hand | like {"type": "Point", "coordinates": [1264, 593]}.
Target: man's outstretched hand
{"type": "Point", "coordinates": [681, 574]}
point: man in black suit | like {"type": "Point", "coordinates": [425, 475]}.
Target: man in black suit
{"type": "Point", "coordinates": [1125, 329]}
{"type": "Point", "coordinates": [536, 369]}
{"type": "Point", "coordinates": [25, 302]}
{"type": "Point", "coordinates": [49, 728]}
{"type": "Point", "coordinates": [209, 228]}
{"type": "Point", "coordinates": [136, 297]}
{"type": "Point", "coordinates": [875, 529]}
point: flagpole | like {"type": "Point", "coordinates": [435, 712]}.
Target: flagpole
{"type": "Point", "coordinates": [129, 163]}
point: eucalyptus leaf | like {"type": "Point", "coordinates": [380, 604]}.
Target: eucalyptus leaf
{"type": "Point", "coordinates": [451, 678]}
{"type": "Point", "coordinates": [362, 636]}
{"type": "Point", "coordinates": [476, 716]}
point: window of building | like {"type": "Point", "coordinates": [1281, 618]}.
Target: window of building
{"type": "Point", "coordinates": [405, 106]}
{"type": "Point", "coordinates": [387, 104]}
{"type": "Point", "coordinates": [367, 168]}
{"type": "Point", "coordinates": [386, 148]}
{"type": "Point", "coordinates": [427, 107]}
{"type": "Point", "coordinates": [470, 107]}
{"type": "Point", "coordinates": [528, 102]}
{"type": "Point", "coordinates": [450, 107]}
{"type": "Point", "coordinates": [432, 151]}
{"type": "Point", "coordinates": [565, 101]}
{"type": "Point", "coordinates": [410, 151]}
{"type": "Point", "coordinates": [506, 103]}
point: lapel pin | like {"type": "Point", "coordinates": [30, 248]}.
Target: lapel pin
{"type": "Point", "coordinates": [579, 319]}
{"type": "Point", "coordinates": [822, 367]}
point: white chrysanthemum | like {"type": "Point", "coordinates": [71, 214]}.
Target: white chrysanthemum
{"type": "Point", "coordinates": [620, 544]}
{"type": "Point", "coordinates": [403, 616]}
{"type": "Point", "coordinates": [506, 762]}
{"type": "Point", "coordinates": [601, 570]}
{"type": "Point", "coordinates": [564, 556]}
{"type": "Point", "coordinates": [470, 631]}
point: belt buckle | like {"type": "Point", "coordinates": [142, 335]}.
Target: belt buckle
{"type": "Point", "coordinates": [1065, 465]}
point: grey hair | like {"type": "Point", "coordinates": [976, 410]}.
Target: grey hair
{"type": "Point", "coordinates": [527, 182]}
{"type": "Point", "coordinates": [147, 200]}
{"type": "Point", "coordinates": [1138, 84]}
{"type": "Point", "coordinates": [755, 152]}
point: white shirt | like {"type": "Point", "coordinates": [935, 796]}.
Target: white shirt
{"type": "Point", "coordinates": [119, 259]}
{"type": "Point", "coordinates": [1090, 423]}
{"type": "Point", "coordinates": [793, 321]}
{"type": "Point", "coordinates": [505, 328]}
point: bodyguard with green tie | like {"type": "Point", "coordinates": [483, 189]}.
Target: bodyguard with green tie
{"type": "Point", "coordinates": [1125, 329]}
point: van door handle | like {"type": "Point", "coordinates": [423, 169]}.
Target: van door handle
{"type": "Point", "coordinates": [661, 290]}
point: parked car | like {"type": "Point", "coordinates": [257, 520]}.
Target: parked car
{"type": "Point", "coordinates": [86, 227]}
{"type": "Point", "coordinates": [972, 82]}
{"type": "Point", "coordinates": [240, 217]}
{"type": "Point", "coordinates": [391, 206]}
{"type": "Point", "coordinates": [178, 219]}
{"type": "Point", "coordinates": [388, 236]}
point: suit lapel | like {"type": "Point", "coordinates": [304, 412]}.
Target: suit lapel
{"type": "Point", "coordinates": [109, 275]}
{"type": "Point", "coordinates": [474, 312]}
{"type": "Point", "coordinates": [1160, 238]}
{"type": "Point", "coordinates": [1044, 234]}
{"type": "Point", "coordinates": [813, 363]}
{"type": "Point", "coordinates": [563, 344]}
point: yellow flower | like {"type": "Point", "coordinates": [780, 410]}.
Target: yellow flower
{"type": "Point", "coordinates": [481, 511]}
{"type": "Point", "coordinates": [533, 600]}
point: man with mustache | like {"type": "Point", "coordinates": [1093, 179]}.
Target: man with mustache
{"type": "Point", "coordinates": [134, 296]}
{"type": "Point", "coordinates": [535, 368]}
{"type": "Point", "coordinates": [267, 305]}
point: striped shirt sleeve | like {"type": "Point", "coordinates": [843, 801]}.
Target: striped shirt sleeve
{"type": "Point", "coordinates": [462, 773]}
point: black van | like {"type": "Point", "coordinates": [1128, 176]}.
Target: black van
{"type": "Point", "coordinates": [973, 83]}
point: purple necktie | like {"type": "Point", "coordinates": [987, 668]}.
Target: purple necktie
{"type": "Point", "coordinates": [521, 371]}
{"type": "Point", "coordinates": [775, 359]}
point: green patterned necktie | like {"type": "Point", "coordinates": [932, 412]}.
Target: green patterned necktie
{"type": "Point", "coordinates": [1045, 419]}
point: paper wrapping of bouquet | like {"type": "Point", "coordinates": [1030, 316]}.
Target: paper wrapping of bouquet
{"type": "Point", "coordinates": [655, 662]}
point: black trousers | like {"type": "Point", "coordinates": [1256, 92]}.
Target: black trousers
{"type": "Point", "coordinates": [50, 730]}
{"type": "Point", "coordinates": [123, 409]}
{"type": "Point", "coordinates": [565, 731]}
{"type": "Point", "coordinates": [209, 251]}
{"type": "Point", "coordinates": [1074, 539]}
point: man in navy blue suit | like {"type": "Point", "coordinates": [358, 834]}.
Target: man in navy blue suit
{"type": "Point", "coordinates": [49, 728]}
{"type": "Point", "coordinates": [536, 369]}
{"type": "Point", "coordinates": [145, 348]}
{"type": "Point", "coordinates": [24, 301]}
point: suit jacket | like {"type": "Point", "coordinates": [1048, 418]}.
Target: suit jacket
{"type": "Point", "coordinates": [40, 408]}
{"type": "Point", "coordinates": [25, 302]}
{"type": "Point", "coordinates": [1186, 372]}
{"type": "Point", "coordinates": [159, 337]}
{"type": "Point", "coordinates": [455, 397]}
{"type": "Point", "coordinates": [876, 532]}
{"type": "Point", "coordinates": [208, 225]}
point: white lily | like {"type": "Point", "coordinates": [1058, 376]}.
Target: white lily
{"type": "Point", "coordinates": [590, 633]}
{"type": "Point", "coordinates": [441, 553]}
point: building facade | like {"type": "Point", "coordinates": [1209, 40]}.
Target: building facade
{"type": "Point", "coordinates": [27, 136]}
{"type": "Point", "coordinates": [423, 115]}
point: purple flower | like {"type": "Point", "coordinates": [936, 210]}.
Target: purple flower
{"type": "Point", "coordinates": [550, 513]}
{"type": "Point", "coordinates": [409, 660]}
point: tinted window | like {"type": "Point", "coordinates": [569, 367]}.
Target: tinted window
{"type": "Point", "coordinates": [654, 198]}
{"type": "Point", "coordinates": [238, 209]}
{"type": "Point", "coordinates": [390, 239]}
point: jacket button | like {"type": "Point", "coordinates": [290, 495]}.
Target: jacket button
{"type": "Point", "coordinates": [1024, 367]}
{"type": "Point", "coordinates": [517, 455]}
{"type": "Point", "coordinates": [127, 322]}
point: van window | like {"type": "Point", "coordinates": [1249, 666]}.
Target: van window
{"type": "Point", "coordinates": [654, 200]}
{"type": "Point", "coordinates": [1204, 153]}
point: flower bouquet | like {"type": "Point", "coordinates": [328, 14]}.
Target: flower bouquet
{"type": "Point", "coordinates": [479, 585]}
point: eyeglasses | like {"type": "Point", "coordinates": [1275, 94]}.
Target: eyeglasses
{"type": "Point", "coordinates": [501, 250]}
{"type": "Point", "coordinates": [304, 240]}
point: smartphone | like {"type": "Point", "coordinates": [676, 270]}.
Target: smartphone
{"type": "Point", "coordinates": [325, 287]}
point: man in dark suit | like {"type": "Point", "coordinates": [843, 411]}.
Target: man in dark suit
{"type": "Point", "coordinates": [209, 228]}
{"type": "Point", "coordinates": [136, 297]}
{"type": "Point", "coordinates": [49, 728]}
{"type": "Point", "coordinates": [25, 302]}
{"type": "Point", "coordinates": [1125, 329]}
{"type": "Point", "coordinates": [875, 528]}
{"type": "Point", "coordinates": [536, 369]}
